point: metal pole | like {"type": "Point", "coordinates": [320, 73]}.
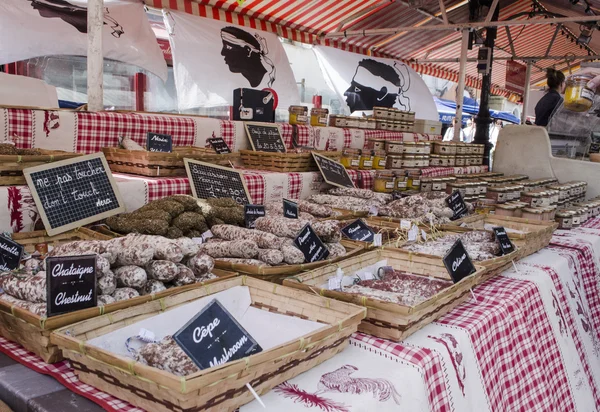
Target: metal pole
{"type": "Point", "coordinates": [460, 93]}
{"type": "Point", "coordinates": [95, 55]}
{"type": "Point", "coordinates": [526, 93]}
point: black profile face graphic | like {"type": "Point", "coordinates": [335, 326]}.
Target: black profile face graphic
{"type": "Point", "coordinates": [378, 84]}
{"type": "Point", "coordinates": [247, 54]}
{"type": "Point", "coordinates": [75, 15]}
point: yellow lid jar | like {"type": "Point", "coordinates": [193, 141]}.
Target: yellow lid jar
{"type": "Point", "coordinates": [578, 98]}
{"type": "Point", "coordinates": [379, 159]}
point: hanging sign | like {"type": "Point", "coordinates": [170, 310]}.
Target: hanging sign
{"type": "Point", "coordinates": [506, 245]}
{"type": "Point", "coordinates": [213, 337]}
{"type": "Point", "coordinates": [311, 246]}
{"type": "Point", "coordinates": [458, 263]}
{"type": "Point", "coordinates": [219, 145]}
{"type": "Point", "coordinates": [10, 254]}
{"type": "Point", "coordinates": [358, 230]}
{"type": "Point", "coordinates": [251, 213]}
{"type": "Point", "coordinates": [516, 75]}
{"type": "Point", "coordinates": [74, 192]}
{"type": "Point", "coordinates": [208, 181]}
{"type": "Point", "coordinates": [156, 142]}
{"type": "Point", "coordinates": [333, 172]}
{"type": "Point", "coordinates": [457, 204]}
{"type": "Point", "coordinates": [71, 283]}
{"type": "Point", "coordinates": [265, 137]}
{"type": "Point", "coordinates": [290, 209]}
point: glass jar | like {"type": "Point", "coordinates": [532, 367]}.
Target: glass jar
{"type": "Point", "coordinates": [460, 160]}
{"type": "Point", "coordinates": [382, 113]}
{"type": "Point", "coordinates": [376, 144]}
{"type": "Point", "coordinates": [450, 160]}
{"type": "Point", "coordinates": [505, 210]}
{"type": "Point", "coordinates": [437, 185]}
{"type": "Point", "coordinates": [498, 193]}
{"type": "Point", "coordinates": [401, 180]}
{"type": "Point", "coordinates": [394, 147]}
{"type": "Point", "coordinates": [379, 159]}
{"type": "Point", "coordinates": [484, 206]}
{"type": "Point", "coordinates": [298, 115]}
{"type": "Point", "coordinates": [444, 148]}
{"type": "Point", "coordinates": [426, 184]}
{"type": "Point", "coordinates": [393, 162]}
{"type": "Point", "coordinates": [578, 98]}
{"type": "Point", "coordinates": [461, 187]}
{"type": "Point", "coordinates": [384, 181]}
{"type": "Point", "coordinates": [382, 124]}
{"type": "Point", "coordinates": [414, 179]}
{"type": "Point", "coordinates": [410, 148]}
{"type": "Point", "coordinates": [531, 213]}
{"type": "Point", "coordinates": [337, 120]}
{"type": "Point", "coordinates": [371, 124]}
{"type": "Point", "coordinates": [437, 160]}
{"type": "Point", "coordinates": [318, 117]}
{"type": "Point", "coordinates": [362, 123]}
{"type": "Point", "coordinates": [351, 158]}
{"type": "Point", "coordinates": [366, 160]}
{"type": "Point", "coordinates": [352, 122]}
{"type": "Point", "coordinates": [410, 161]}
{"type": "Point", "coordinates": [564, 219]}
{"type": "Point", "coordinates": [421, 161]}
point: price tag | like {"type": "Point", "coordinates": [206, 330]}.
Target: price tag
{"type": "Point", "coordinates": [71, 283]}
{"type": "Point", "coordinates": [219, 145]}
{"type": "Point", "coordinates": [373, 211]}
{"type": "Point", "coordinates": [213, 337]}
{"type": "Point", "coordinates": [10, 254]}
{"type": "Point", "coordinates": [311, 246]}
{"type": "Point", "coordinates": [359, 231]}
{"type": "Point", "coordinates": [405, 224]}
{"type": "Point", "coordinates": [506, 245]}
{"type": "Point", "coordinates": [146, 335]}
{"type": "Point", "coordinates": [458, 263]}
{"type": "Point", "coordinates": [212, 181]}
{"type": "Point", "coordinates": [198, 240]}
{"type": "Point", "coordinates": [423, 235]}
{"type": "Point", "coordinates": [251, 213]}
{"type": "Point", "coordinates": [413, 233]}
{"type": "Point", "coordinates": [366, 276]}
{"type": "Point", "coordinates": [333, 172]}
{"type": "Point", "coordinates": [334, 284]}
{"type": "Point", "coordinates": [378, 240]}
{"type": "Point", "coordinates": [290, 209]}
{"type": "Point", "coordinates": [457, 204]}
{"type": "Point", "coordinates": [207, 235]}
{"type": "Point", "coordinates": [265, 137]}
{"type": "Point", "coordinates": [156, 142]}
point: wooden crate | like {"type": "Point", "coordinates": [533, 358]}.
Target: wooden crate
{"type": "Point", "coordinates": [30, 239]}
{"type": "Point", "coordinates": [385, 319]}
{"type": "Point", "coordinates": [158, 164]}
{"type": "Point", "coordinates": [33, 331]}
{"type": "Point", "coordinates": [390, 232]}
{"type": "Point", "coordinates": [535, 235]}
{"type": "Point", "coordinates": [221, 388]}
{"type": "Point", "coordinates": [11, 166]}
{"type": "Point", "coordinates": [284, 162]}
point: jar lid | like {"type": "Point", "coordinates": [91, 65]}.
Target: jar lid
{"type": "Point", "coordinates": [379, 153]}
{"type": "Point", "coordinates": [394, 156]}
{"type": "Point", "coordinates": [400, 173]}
{"type": "Point", "coordinates": [389, 143]}
{"type": "Point", "coordinates": [435, 156]}
{"type": "Point", "coordinates": [563, 214]}
{"type": "Point", "coordinates": [427, 180]}
{"type": "Point", "coordinates": [384, 173]}
{"type": "Point", "coordinates": [411, 157]}
{"type": "Point", "coordinates": [352, 151]}
{"type": "Point", "coordinates": [506, 206]}
{"type": "Point", "coordinates": [374, 139]}
{"type": "Point", "coordinates": [305, 108]}
{"type": "Point", "coordinates": [410, 143]}
{"type": "Point", "coordinates": [580, 77]}
{"type": "Point", "coordinates": [536, 211]}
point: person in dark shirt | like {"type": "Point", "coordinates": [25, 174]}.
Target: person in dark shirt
{"type": "Point", "coordinates": [547, 104]}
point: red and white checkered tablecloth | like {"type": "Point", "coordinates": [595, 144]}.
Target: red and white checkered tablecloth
{"type": "Point", "coordinates": [362, 179]}
{"type": "Point", "coordinates": [19, 126]}
{"type": "Point", "coordinates": [592, 223]}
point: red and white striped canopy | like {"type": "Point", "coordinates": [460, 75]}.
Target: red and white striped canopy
{"type": "Point", "coordinates": [308, 21]}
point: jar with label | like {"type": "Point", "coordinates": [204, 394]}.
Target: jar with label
{"type": "Point", "coordinates": [352, 122]}
{"type": "Point", "coordinates": [410, 148]}
{"type": "Point", "coordinates": [461, 148]}
{"type": "Point", "coordinates": [379, 159]}
{"type": "Point", "coordinates": [460, 161]}
{"type": "Point", "coordinates": [351, 158]}
{"type": "Point", "coordinates": [401, 180]}
{"type": "Point", "coordinates": [382, 113]}
{"type": "Point", "coordinates": [382, 124]}
{"type": "Point", "coordinates": [393, 162]}
{"type": "Point", "coordinates": [337, 120]}
{"type": "Point", "coordinates": [384, 181]}
{"type": "Point", "coordinates": [414, 179]}
{"type": "Point", "coordinates": [551, 212]}
{"type": "Point", "coordinates": [366, 160]}
{"type": "Point", "coordinates": [498, 193]}
{"type": "Point", "coordinates": [484, 206]}
{"type": "Point", "coordinates": [298, 115]}
{"type": "Point", "coordinates": [394, 147]}
{"type": "Point", "coordinates": [471, 189]}
{"type": "Point", "coordinates": [533, 198]}
{"type": "Point", "coordinates": [318, 117]}
{"type": "Point", "coordinates": [362, 123]}
{"type": "Point", "coordinates": [505, 210]}
{"type": "Point", "coordinates": [531, 213]}
{"type": "Point", "coordinates": [444, 148]}
{"type": "Point", "coordinates": [376, 144]}
{"type": "Point", "coordinates": [426, 184]}
{"type": "Point", "coordinates": [371, 124]}
{"type": "Point", "coordinates": [437, 160]}
{"type": "Point", "coordinates": [564, 219]}
{"type": "Point", "coordinates": [422, 161]}
{"type": "Point", "coordinates": [576, 220]}
{"type": "Point", "coordinates": [578, 97]}
{"type": "Point", "coordinates": [461, 187]}
{"type": "Point", "coordinates": [450, 160]}
{"type": "Point", "coordinates": [410, 161]}
{"type": "Point", "coordinates": [437, 184]}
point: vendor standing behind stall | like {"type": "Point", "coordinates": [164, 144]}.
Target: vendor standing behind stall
{"type": "Point", "coordinates": [547, 104]}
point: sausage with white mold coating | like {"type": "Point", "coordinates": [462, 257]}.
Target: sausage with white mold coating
{"type": "Point", "coordinates": [185, 276]}
{"type": "Point", "coordinates": [263, 239]}
{"type": "Point", "coordinates": [271, 256]}
{"type": "Point", "coordinates": [201, 264]}
{"type": "Point", "coordinates": [252, 262]}
{"type": "Point", "coordinates": [162, 270]}
{"type": "Point", "coordinates": [280, 226]}
{"type": "Point", "coordinates": [131, 253]}
{"type": "Point", "coordinates": [292, 255]}
{"type": "Point", "coordinates": [153, 286]}
{"type": "Point", "coordinates": [131, 276]}
{"type": "Point", "coordinates": [164, 249]}
{"type": "Point", "coordinates": [86, 247]}
{"type": "Point", "coordinates": [36, 308]}
{"type": "Point", "coordinates": [31, 288]}
{"type": "Point", "coordinates": [336, 250]}
{"type": "Point", "coordinates": [125, 293]}
{"type": "Point", "coordinates": [245, 249]}
{"type": "Point", "coordinates": [188, 247]}
{"type": "Point", "coordinates": [107, 283]}
{"type": "Point", "coordinates": [104, 300]}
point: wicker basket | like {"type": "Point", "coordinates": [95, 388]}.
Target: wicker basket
{"type": "Point", "coordinates": [284, 162]}
{"type": "Point", "coordinates": [221, 388]}
{"type": "Point", "coordinates": [30, 239]}
{"type": "Point", "coordinates": [390, 232]}
{"type": "Point", "coordinates": [385, 319]}
{"type": "Point", "coordinates": [276, 274]}
{"type": "Point", "coordinates": [159, 164]}
{"type": "Point", "coordinates": [11, 166]}
{"type": "Point", "coordinates": [535, 235]}
{"type": "Point", "coordinates": [33, 331]}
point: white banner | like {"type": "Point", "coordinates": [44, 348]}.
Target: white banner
{"type": "Point", "coordinates": [33, 28]}
{"type": "Point", "coordinates": [364, 82]}
{"type": "Point", "coordinates": [212, 58]}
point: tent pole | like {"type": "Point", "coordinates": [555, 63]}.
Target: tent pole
{"type": "Point", "coordinates": [526, 92]}
{"type": "Point", "coordinates": [460, 92]}
{"type": "Point", "coordinates": [95, 55]}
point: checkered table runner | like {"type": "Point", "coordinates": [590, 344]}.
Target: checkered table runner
{"type": "Point", "coordinates": [20, 126]}
{"type": "Point", "coordinates": [592, 223]}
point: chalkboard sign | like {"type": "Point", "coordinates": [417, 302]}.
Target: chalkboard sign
{"type": "Point", "coordinates": [458, 263]}
{"type": "Point", "coordinates": [506, 245]}
{"type": "Point", "coordinates": [74, 192]}
{"type": "Point", "coordinates": [311, 246]}
{"type": "Point", "coordinates": [251, 213]}
{"type": "Point", "coordinates": [358, 230]}
{"type": "Point", "coordinates": [333, 172]}
{"type": "Point", "coordinates": [213, 337]}
{"type": "Point", "coordinates": [265, 137]}
{"type": "Point", "coordinates": [10, 254]}
{"type": "Point", "coordinates": [156, 142]}
{"type": "Point", "coordinates": [208, 181]}
{"type": "Point", "coordinates": [290, 209]}
{"type": "Point", "coordinates": [71, 283]}
{"type": "Point", "coordinates": [219, 145]}
{"type": "Point", "coordinates": [457, 204]}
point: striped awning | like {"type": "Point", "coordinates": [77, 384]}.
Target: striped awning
{"type": "Point", "coordinates": [308, 21]}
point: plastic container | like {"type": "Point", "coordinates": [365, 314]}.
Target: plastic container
{"type": "Point", "coordinates": [578, 98]}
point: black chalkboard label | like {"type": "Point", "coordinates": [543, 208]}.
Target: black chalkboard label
{"type": "Point", "coordinates": [506, 245]}
{"type": "Point", "coordinates": [156, 142]}
{"type": "Point", "coordinates": [358, 230]}
{"type": "Point", "coordinates": [251, 213]}
{"type": "Point", "coordinates": [458, 263]}
{"type": "Point", "coordinates": [71, 283]}
{"type": "Point", "coordinates": [457, 204]}
{"type": "Point", "coordinates": [311, 246]}
{"type": "Point", "coordinates": [74, 192]}
{"type": "Point", "coordinates": [208, 181]}
{"type": "Point", "coordinates": [213, 337]}
{"type": "Point", "coordinates": [290, 209]}
{"type": "Point", "coordinates": [265, 137]}
{"type": "Point", "coordinates": [219, 145]}
{"type": "Point", "coordinates": [333, 172]}
{"type": "Point", "coordinates": [10, 254]}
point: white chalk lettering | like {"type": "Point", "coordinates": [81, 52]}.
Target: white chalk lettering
{"type": "Point", "coordinates": [458, 262]}
{"type": "Point", "coordinates": [13, 250]}
{"type": "Point", "coordinates": [204, 331]}
{"type": "Point", "coordinates": [228, 353]}
{"type": "Point", "coordinates": [60, 270]}
{"type": "Point", "coordinates": [63, 299]}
